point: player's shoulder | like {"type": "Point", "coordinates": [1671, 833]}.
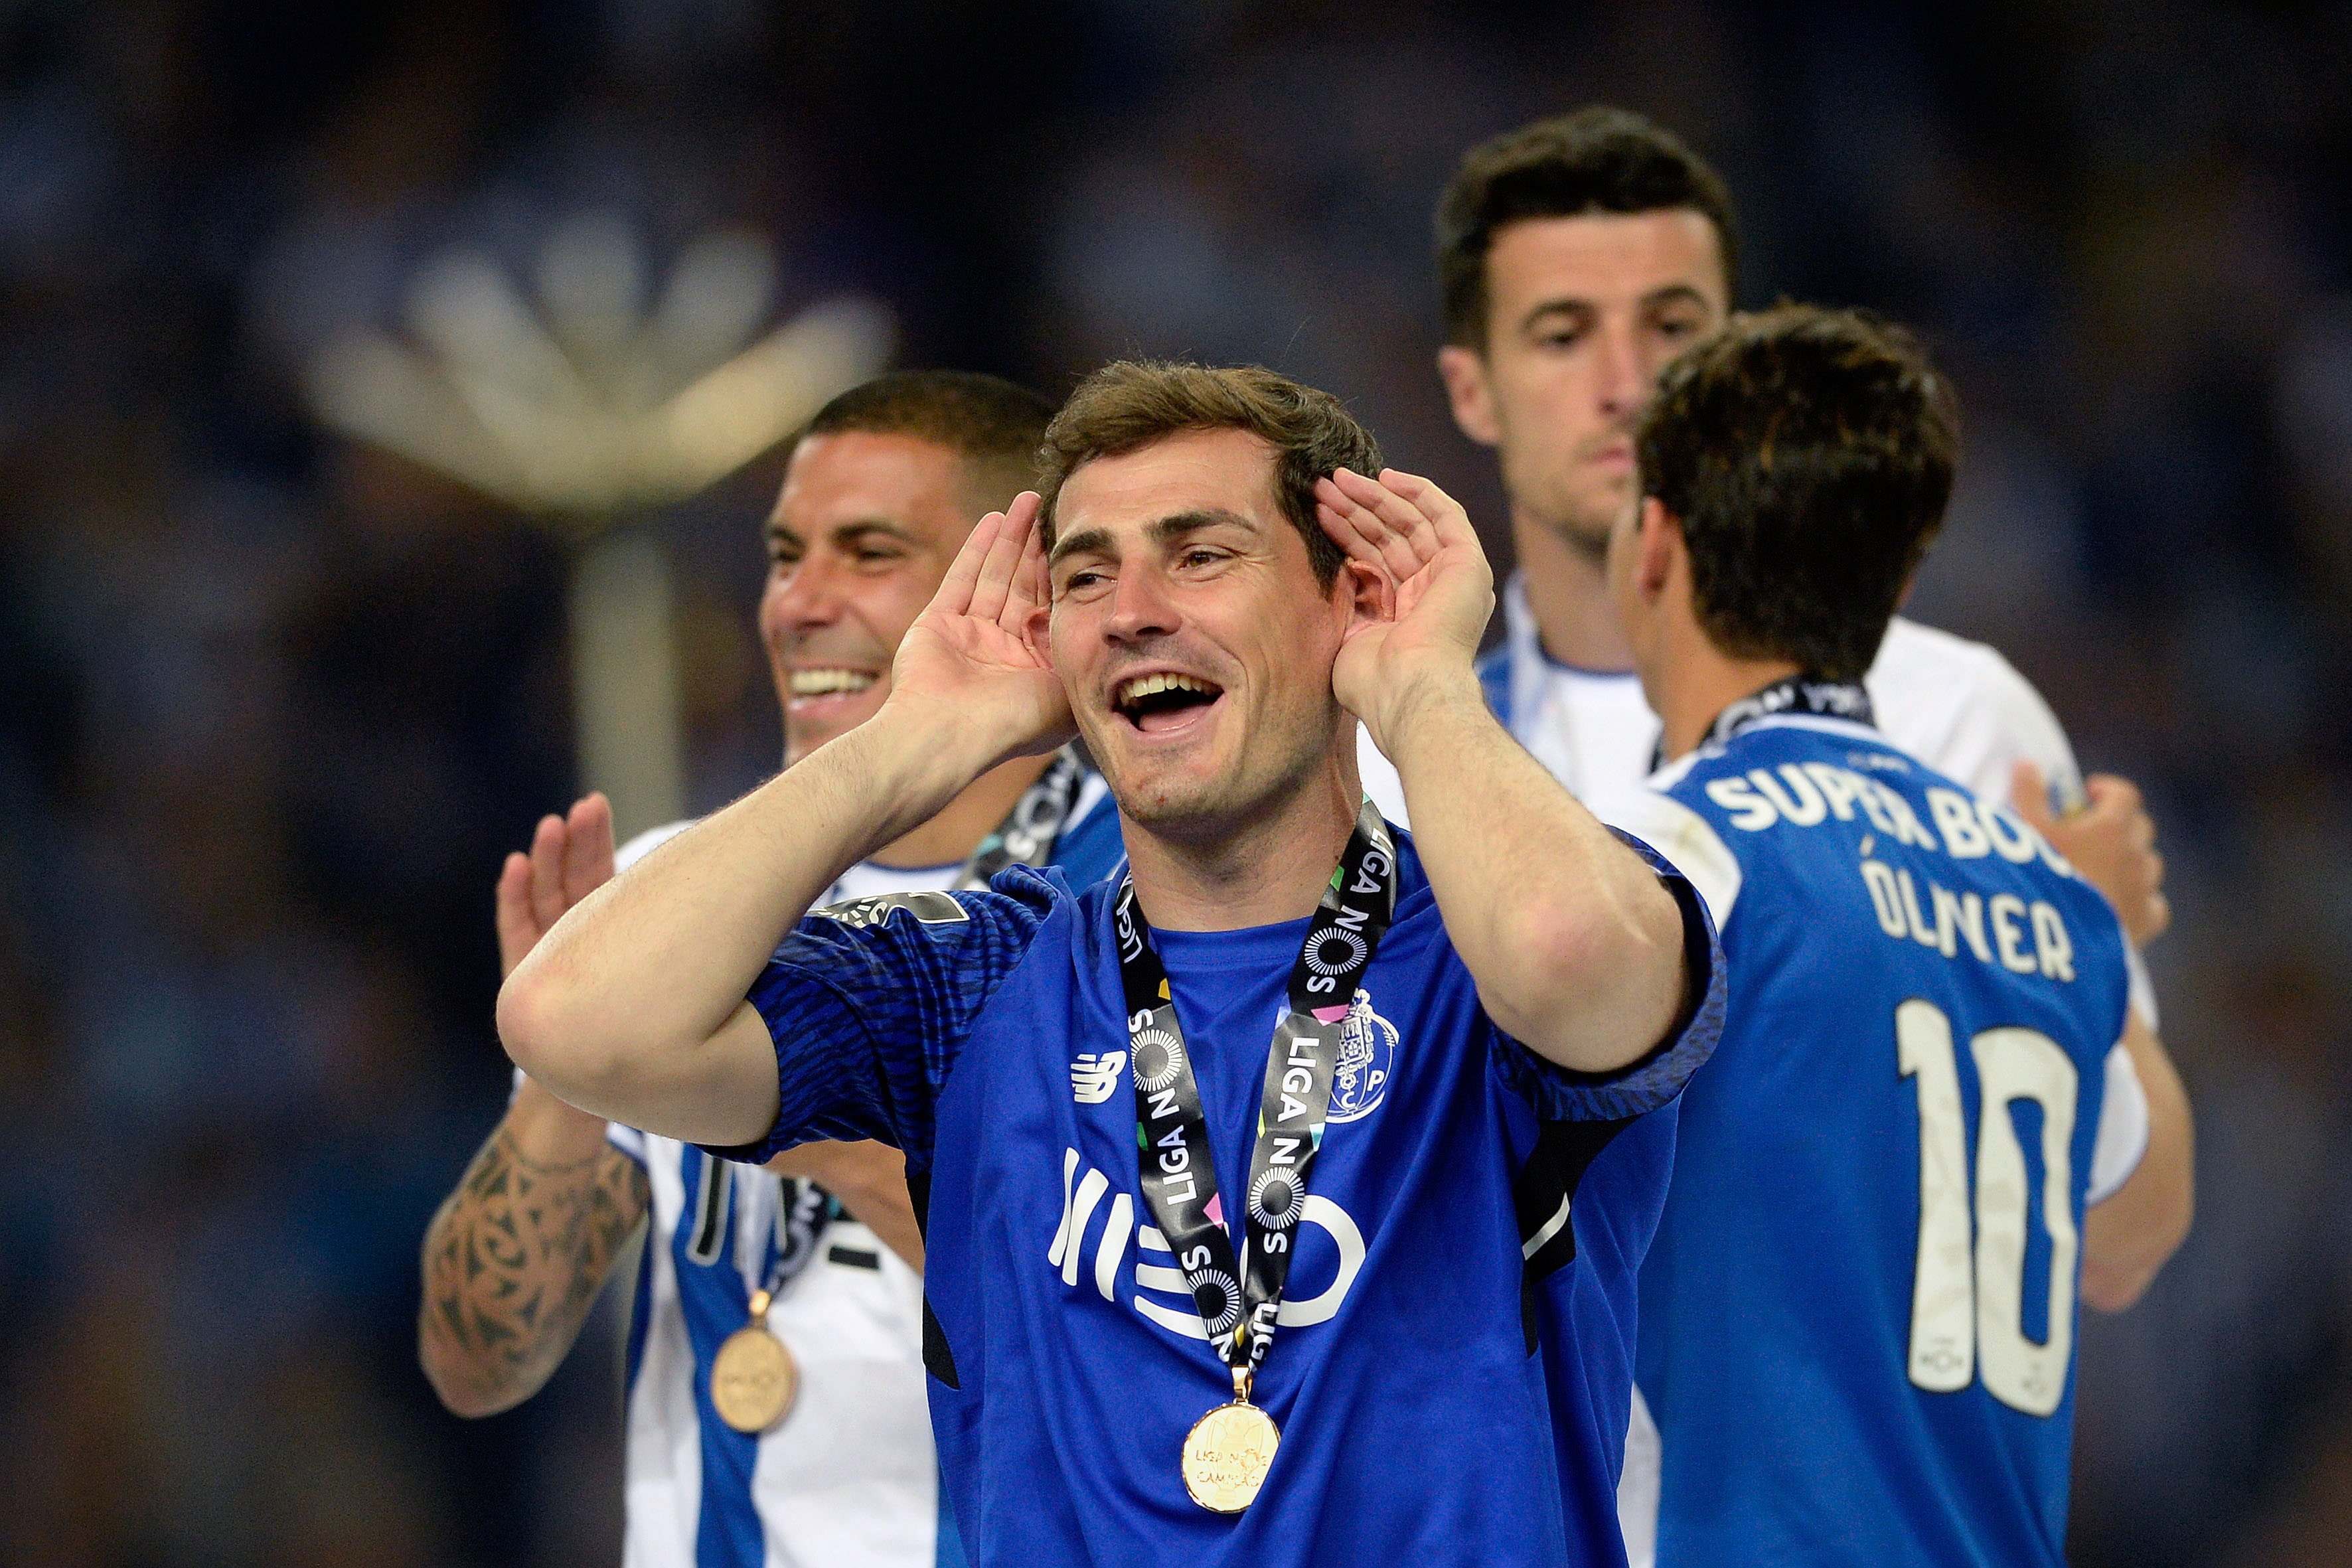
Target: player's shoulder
{"type": "Point", "coordinates": [1964, 707]}
{"type": "Point", "coordinates": [1680, 839]}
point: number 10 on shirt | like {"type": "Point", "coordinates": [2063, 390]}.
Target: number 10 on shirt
{"type": "Point", "coordinates": [1967, 1314]}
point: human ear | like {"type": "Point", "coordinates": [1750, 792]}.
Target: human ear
{"type": "Point", "coordinates": [1658, 540]}
{"type": "Point", "coordinates": [1471, 396]}
{"type": "Point", "coordinates": [1370, 597]}
{"type": "Point", "coordinates": [1037, 631]}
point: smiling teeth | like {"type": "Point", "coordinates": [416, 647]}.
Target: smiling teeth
{"type": "Point", "coordinates": [1144, 686]}
{"type": "Point", "coordinates": [820, 682]}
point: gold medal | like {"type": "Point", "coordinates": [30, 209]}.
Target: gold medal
{"type": "Point", "coordinates": [753, 1379]}
{"type": "Point", "coordinates": [1228, 1450]}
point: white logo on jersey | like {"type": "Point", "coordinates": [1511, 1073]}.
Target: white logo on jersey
{"type": "Point", "coordinates": [1082, 1195]}
{"type": "Point", "coordinates": [1368, 1043]}
{"type": "Point", "coordinates": [1092, 1077]}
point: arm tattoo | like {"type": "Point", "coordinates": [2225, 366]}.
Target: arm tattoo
{"type": "Point", "coordinates": [512, 1263]}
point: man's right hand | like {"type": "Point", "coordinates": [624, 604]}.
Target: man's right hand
{"type": "Point", "coordinates": [571, 856]}
{"type": "Point", "coordinates": [973, 666]}
{"type": "Point", "coordinates": [513, 1260]}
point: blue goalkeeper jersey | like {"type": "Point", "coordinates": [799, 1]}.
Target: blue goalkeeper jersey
{"type": "Point", "coordinates": [1857, 1318]}
{"type": "Point", "coordinates": [985, 1034]}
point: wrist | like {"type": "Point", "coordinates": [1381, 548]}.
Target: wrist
{"type": "Point", "coordinates": [546, 1132]}
{"type": "Point", "coordinates": [1437, 689]}
{"type": "Point", "coordinates": [921, 755]}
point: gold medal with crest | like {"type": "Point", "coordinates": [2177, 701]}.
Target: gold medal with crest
{"type": "Point", "coordinates": [1229, 1450]}
{"type": "Point", "coordinates": [752, 1378]}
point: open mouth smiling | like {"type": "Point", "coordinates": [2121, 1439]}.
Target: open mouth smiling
{"type": "Point", "coordinates": [831, 682]}
{"type": "Point", "coordinates": [1163, 702]}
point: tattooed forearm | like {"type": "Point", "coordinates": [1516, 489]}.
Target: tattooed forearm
{"type": "Point", "coordinates": [512, 1263]}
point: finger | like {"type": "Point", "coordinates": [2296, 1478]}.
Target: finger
{"type": "Point", "coordinates": [516, 929]}
{"type": "Point", "coordinates": [2106, 788]}
{"type": "Point", "coordinates": [1031, 590]}
{"type": "Point", "coordinates": [588, 848]}
{"type": "Point", "coordinates": [1446, 517]}
{"type": "Point", "coordinates": [2156, 873]}
{"type": "Point", "coordinates": [2160, 919]}
{"type": "Point", "coordinates": [954, 596]}
{"type": "Point", "coordinates": [2142, 833]}
{"type": "Point", "coordinates": [995, 586]}
{"type": "Point", "coordinates": [1387, 521]}
{"type": "Point", "coordinates": [546, 871]}
{"type": "Point", "coordinates": [1351, 528]}
{"type": "Point", "coordinates": [2030, 791]}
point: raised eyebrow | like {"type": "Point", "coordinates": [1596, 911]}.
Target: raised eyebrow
{"type": "Point", "coordinates": [1178, 524]}
{"type": "Point", "coordinates": [1089, 541]}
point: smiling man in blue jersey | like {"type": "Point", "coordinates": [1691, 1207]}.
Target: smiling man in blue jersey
{"type": "Point", "coordinates": [1935, 1119]}
{"type": "Point", "coordinates": [1288, 1031]}
{"type": "Point", "coordinates": [733, 1461]}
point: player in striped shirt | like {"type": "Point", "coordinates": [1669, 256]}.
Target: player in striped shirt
{"type": "Point", "coordinates": [879, 493]}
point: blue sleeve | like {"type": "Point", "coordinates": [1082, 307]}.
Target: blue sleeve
{"type": "Point", "coordinates": [1563, 1094]}
{"type": "Point", "coordinates": [869, 1001]}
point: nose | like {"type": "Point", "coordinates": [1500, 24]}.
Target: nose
{"type": "Point", "coordinates": [1140, 606]}
{"type": "Point", "coordinates": [1624, 375]}
{"type": "Point", "coordinates": [806, 598]}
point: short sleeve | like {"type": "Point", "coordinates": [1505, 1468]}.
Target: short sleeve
{"type": "Point", "coordinates": [869, 1002]}
{"type": "Point", "coordinates": [2122, 1139]}
{"type": "Point", "coordinates": [2003, 721]}
{"type": "Point", "coordinates": [1563, 1094]}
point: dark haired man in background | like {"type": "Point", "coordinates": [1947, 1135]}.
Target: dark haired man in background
{"type": "Point", "coordinates": [880, 491]}
{"type": "Point", "coordinates": [1576, 257]}
{"type": "Point", "coordinates": [1935, 1113]}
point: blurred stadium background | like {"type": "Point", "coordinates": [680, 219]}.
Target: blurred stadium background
{"type": "Point", "coordinates": [273, 702]}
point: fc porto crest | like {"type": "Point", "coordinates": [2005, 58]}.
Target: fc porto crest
{"type": "Point", "coordinates": [1367, 1043]}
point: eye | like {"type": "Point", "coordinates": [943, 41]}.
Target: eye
{"type": "Point", "coordinates": [1200, 555]}
{"type": "Point", "coordinates": [1082, 578]}
{"type": "Point", "coordinates": [876, 554]}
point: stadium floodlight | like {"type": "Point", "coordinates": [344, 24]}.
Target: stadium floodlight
{"type": "Point", "coordinates": [588, 407]}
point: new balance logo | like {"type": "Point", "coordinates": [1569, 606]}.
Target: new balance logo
{"type": "Point", "coordinates": [1093, 1078]}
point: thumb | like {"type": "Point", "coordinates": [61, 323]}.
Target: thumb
{"type": "Point", "coordinates": [2029, 791]}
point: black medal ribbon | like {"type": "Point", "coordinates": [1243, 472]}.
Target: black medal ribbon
{"type": "Point", "coordinates": [1810, 694]}
{"type": "Point", "coordinates": [1031, 829]}
{"type": "Point", "coordinates": [1238, 1304]}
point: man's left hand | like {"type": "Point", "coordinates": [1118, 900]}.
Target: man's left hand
{"type": "Point", "coordinates": [2111, 841]}
{"type": "Point", "coordinates": [1440, 590]}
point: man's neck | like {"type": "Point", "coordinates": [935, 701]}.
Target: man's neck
{"type": "Point", "coordinates": [1568, 589]}
{"type": "Point", "coordinates": [1272, 867]}
{"type": "Point", "coordinates": [1698, 683]}
{"type": "Point", "coordinates": [963, 822]}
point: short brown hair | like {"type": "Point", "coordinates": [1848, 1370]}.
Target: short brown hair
{"type": "Point", "coordinates": [993, 425]}
{"type": "Point", "coordinates": [1807, 455]}
{"type": "Point", "coordinates": [1128, 404]}
{"type": "Point", "coordinates": [1597, 160]}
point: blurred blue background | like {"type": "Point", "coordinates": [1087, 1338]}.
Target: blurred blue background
{"type": "Point", "coordinates": [273, 704]}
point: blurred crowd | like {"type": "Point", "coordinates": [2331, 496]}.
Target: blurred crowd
{"type": "Point", "coordinates": [273, 703]}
